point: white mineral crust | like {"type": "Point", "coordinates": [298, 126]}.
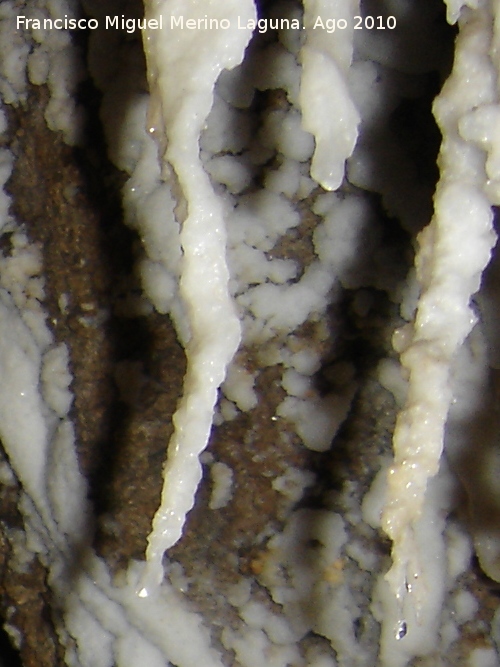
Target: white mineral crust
{"type": "Point", "coordinates": [453, 251]}
{"type": "Point", "coordinates": [102, 622]}
{"type": "Point", "coordinates": [183, 66]}
{"type": "Point", "coordinates": [328, 111]}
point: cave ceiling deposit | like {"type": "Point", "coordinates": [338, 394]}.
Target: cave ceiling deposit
{"type": "Point", "coordinates": [249, 341]}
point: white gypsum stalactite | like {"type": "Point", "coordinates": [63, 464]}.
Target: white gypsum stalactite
{"type": "Point", "coordinates": [328, 111]}
{"type": "Point", "coordinates": [453, 251]}
{"type": "Point", "coordinates": [183, 66]}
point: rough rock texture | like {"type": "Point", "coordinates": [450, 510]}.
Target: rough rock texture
{"type": "Point", "coordinates": [128, 376]}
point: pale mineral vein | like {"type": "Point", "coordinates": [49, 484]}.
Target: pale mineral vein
{"type": "Point", "coordinates": [453, 251]}
{"type": "Point", "coordinates": [183, 66]}
{"type": "Point", "coordinates": [328, 111]}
